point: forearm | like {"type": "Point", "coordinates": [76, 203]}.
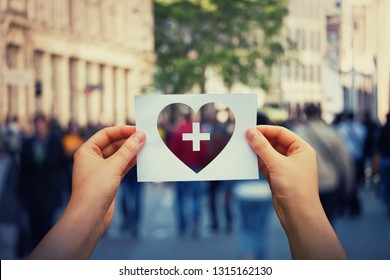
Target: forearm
{"type": "Point", "coordinates": [311, 236]}
{"type": "Point", "coordinates": [75, 235]}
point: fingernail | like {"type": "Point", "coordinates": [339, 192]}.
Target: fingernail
{"type": "Point", "coordinates": [253, 133]}
{"type": "Point", "coordinates": [139, 136]}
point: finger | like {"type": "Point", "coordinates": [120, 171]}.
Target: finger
{"type": "Point", "coordinates": [286, 139]}
{"type": "Point", "coordinates": [261, 146]}
{"type": "Point", "coordinates": [263, 168]}
{"type": "Point", "coordinates": [124, 156]}
{"type": "Point", "coordinates": [113, 148]}
{"type": "Point", "coordinates": [278, 147]}
{"type": "Point", "coordinates": [131, 164]}
{"type": "Point", "coordinates": [109, 135]}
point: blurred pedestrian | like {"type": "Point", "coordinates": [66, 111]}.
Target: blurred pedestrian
{"type": "Point", "coordinates": [384, 161]}
{"type": "Point", "coordinates": [43, 178]}
{"type": "Point", "coordinates": [354, 134]}
{"type": "Point", "coordinates": [7, 178]}
{"type": "Point", "coordinates": [131, 202]}
{"type": "Point", "coordinates": [221, 131]}
{"type": "Point", "coordinates": [335, 171]}
{"type": "Point", "coordinates": [370, 151]}
{"type": "Point", "coordinates": [188, 193]}
{"type": "Point", "coordinates": [12, 143]}
{"type": "Point", "coordinates": [72, 139]}
{"type": "Point", "coordinates": [10, 147]}
{"type": "Point", "coordinates": [89, 130]}
{"type": "Point", "coordinates": [55, 127]}
{"type": "Point", "coordinates": [11, 133]}
{"type": "Point", "coordinates": [254, 202]}
{"type": "Point", "coordinates": [254, 205]}
{"type": "Point", "coordinates": [4, 165]}
{"type": "Point", "coordinates": [215, 188]}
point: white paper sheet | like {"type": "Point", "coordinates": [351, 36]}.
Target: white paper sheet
{"type": "Point", "coordinates": [156, 163]}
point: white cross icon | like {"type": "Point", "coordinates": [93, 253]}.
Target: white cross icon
{"type": "Point", "coordinates": [196, 136]}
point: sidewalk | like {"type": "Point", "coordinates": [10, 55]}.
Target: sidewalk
{"type": "Point", "coordinates": [366, 237]}
{"type": "Point", "coordinates": [158, 239]}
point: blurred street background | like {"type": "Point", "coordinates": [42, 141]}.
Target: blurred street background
{"type": "Point", "coordinates": [366, 237]}
{"type": "Point", "coordinates": [319, 67]}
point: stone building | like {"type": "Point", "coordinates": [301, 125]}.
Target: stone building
{"type": "Point", "coordinates": [75, 59]}
{"type": "Point", "coordinates": [333, 23]}
{"type": "Point", "coordinates": [299, 77]}
{"type": "Point", "coordinates": [365, 58]}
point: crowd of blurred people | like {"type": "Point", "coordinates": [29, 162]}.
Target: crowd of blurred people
{"type": "Point", "coordinates": [36, 168]}
{"type": "Point", "coordinates": [351, 153]}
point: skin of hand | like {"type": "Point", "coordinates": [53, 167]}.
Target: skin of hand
{"type": "Point", "coordinates": [99, 166]}
{"type": "Point", "coordinates": [289, 164]}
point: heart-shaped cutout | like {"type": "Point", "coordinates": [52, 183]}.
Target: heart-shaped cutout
{"type": "Point", "coordinates": [196, 138]}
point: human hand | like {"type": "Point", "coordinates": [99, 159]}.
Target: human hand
{"type": "Point", "coordinates": [99, 166]}
{"type": "Point", "coordinates": [290, 166]}
{"type": "Point", "coordinates": [288, 163]}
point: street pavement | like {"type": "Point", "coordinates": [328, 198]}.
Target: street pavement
{"type": "Point", "coordinates": [365, 237]}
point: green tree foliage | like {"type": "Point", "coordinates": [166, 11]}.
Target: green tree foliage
{"type": "Point", "coordinates": [237, 38]}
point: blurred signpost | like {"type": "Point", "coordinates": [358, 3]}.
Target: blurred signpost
{"type": "Point", "coordinates": [18, 77]}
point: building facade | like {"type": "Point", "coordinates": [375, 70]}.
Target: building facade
{"type": "Point", "coordinates": [365, 58]}
{"type": "Point", "coordinates": [299, 77]}
{"type": "Point", "coordinates": [357, 65]}
{"type": "Point", "coordinates": [75, 59]}
{"type": "Point", "coordinates": [334, 96]}
{"type": "Point", "coordinates": [333, 34]}
{"type": "Point", "coordinates": [383, 58]}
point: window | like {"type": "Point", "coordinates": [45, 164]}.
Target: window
{"type": "Point", "coordinates": [319, 73]}
{"type": "Point", "coordinates": [332, 37]}
{"type": "Point", "coordinates": [333, 57]}
{"type": "Point", "coordinates": [318, 40]}
{"type": "Point", "coordinates": [12, 61]}
{"type": "Point", "coordinates": [298, 38]}
{"type": "Point", "coordinates": [312, 40]}
{"type": "Point", "coordinates": [287, 69]}
{"type": "Point", "coordinates": [311, 74]}
{"type": "Point", "coordinates": [296, 71]}
{"type": "Point", "coordinates": [12, 56]}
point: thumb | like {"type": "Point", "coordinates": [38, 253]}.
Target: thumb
{"type": "Point", "coordinates": [261, 146]}
{"type": "Point", "coordinates": [128, 151]}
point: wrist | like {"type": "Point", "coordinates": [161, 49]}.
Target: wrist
{"type": "Point", "coordinates": [297, 216]}
{"type": "Point", "coordinates": [310, 234]}
{"type": "Point", "coordinates": [85, 223]}
{"type": "Point", "coordinates": [74, 236]}
{"type": "Point", "coordinates": [86, 213]}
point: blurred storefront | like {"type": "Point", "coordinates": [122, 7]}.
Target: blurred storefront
{"type": "Point", "coordinates": [79, 59]}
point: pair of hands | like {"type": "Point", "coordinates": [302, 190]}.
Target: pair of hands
{"type": "Point", "coordinates": [288, 163]}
